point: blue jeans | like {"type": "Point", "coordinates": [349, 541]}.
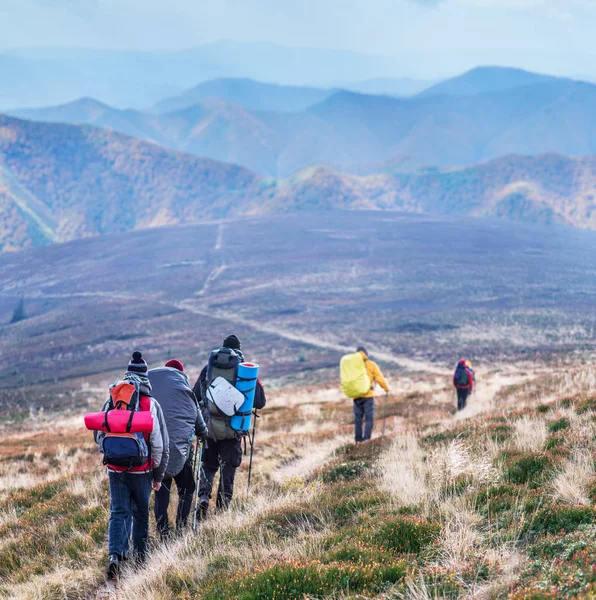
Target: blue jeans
{"type": "Point", "coordinates": [364, 408]}
{"type": "Point", "coordinates": [129, 513]}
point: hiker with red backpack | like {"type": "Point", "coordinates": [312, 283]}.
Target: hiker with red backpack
{"type": "Point", "coordinates": [184, 421]}
{"type": "Point", "coordinates": [359, 375]}
{"type": "Point", "coordinates": [136, 461]}
{"type": "Point", "coordinates": [223, 450]}
{"type": "Point", "coordinates": [463, 381]}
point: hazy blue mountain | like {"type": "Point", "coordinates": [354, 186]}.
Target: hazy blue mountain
{"type": "Point", "coordinates": [482, 80]}
{"type": "Point", "coordinates": [400, 86]}
{"type": "Point", "coordinates": [457, 130]}
{"type": "Point", "coordinates": [41, 77]}
{"type": "Point", "coordinates": [349, 129]}
{"type": "Point", "coordinates": [212, 128]}
{"type": "Point", "coordinates": [248, 93]}
{"type": "Point", "coordinates": [83, 110]}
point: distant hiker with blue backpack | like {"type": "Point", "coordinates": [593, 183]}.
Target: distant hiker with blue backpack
{"type": "Point", "coordinates": [359, 375]}
{"type": "Point", "coordinates": [463, 381]}
{"type": "Point", "coordinates": [228, 420]}
{"type": "Point", "coordinates": [133, 439]}
{"type": "Point", "coordinates": [184, 421]}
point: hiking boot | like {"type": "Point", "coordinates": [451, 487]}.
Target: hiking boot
{"type": "Point", "coordinates": [114, 567]}
{"type": "Point", "coordinates": [203, 506]}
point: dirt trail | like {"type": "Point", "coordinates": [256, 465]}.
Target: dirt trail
{"type": "Point", "coordinates": [484, 397]}
{"type": "Point", "coordinates": [215, 274]}
{"type": "Point", "coordinates": [404, 362]}
{"type": "Point", "coordinates": [219, 240]}
{"type": "Point", "coordinates": [315, 341]}
{"type": "Point", "coordinates": [108, 591]}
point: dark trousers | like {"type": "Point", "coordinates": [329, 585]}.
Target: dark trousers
{"type": "Point", "coordinates": [364, 409]}
{"type": "Point", "coordinates": [186, 488]}
{"type": "Point", "coordinates": [227, 456]}
{"type": "Point", "coordinates": [462, 397]}
{"type": "Point", "coordinates": [129, 513]}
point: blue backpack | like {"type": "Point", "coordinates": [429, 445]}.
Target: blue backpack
{"type": "Point", "coordinates": [125, 449]}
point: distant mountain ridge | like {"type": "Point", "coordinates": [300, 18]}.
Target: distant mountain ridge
{"type": "Point", "coordinates": [347, 128]}
{"type": "Point", "coordinates": [62, 182]}
{"type": "Point", "coordinates": [48, 76]}
{"type": "Point", "coordinates": [484, 80]}
{"type": "Point", "coordinates": [248, 93]}
{"type": "Point", "coordinates": [397, 86]}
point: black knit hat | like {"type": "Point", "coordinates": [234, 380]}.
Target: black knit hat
{"type": "Point", "coordinates": [232, 342]}
{"type": "Point", "coordinates": [362, 349]}
{"type": "Point", "coordinates": [137, 364]}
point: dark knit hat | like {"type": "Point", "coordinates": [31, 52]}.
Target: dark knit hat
{"type": "Point", "coordinates": [362, 349]}
{"type": "Point", "coordinates": [232, 342]}
{"type": "Point", "coordinates": [175, 364]}
{"type": "Point", "coordinates": [137, 364]}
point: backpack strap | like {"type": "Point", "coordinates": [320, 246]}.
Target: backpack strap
{"type": "Point", "coordinates": [109, 406]}
{"type": "Point", "coordinates": [135, 406]}
{"type": "Point", "coordinates": [146, 406]}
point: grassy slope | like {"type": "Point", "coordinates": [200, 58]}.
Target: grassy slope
{"type": "Point", "coordinates": [499, 505]}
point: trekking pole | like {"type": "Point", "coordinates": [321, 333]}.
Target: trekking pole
{"type": "Point", "coordinates": [252, 447]}
{"type": "Point", "coordinates": [385, 410]}
{"type": "Point", "coordinates": [194, 455]}
{"type": "Point", "coordinates": [198, 461]}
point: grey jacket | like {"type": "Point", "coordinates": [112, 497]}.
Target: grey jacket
{"type": "Point", "coordinates": [160, 468]}
{"type": "Point", "coordinates": [181, 413]}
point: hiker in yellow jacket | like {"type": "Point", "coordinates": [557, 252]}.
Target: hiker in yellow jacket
{"type": "Point", "coordinates": [364, 407]}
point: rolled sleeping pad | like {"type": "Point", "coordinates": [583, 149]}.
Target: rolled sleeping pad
{"type": "Point", "coordinates": [246, 382]}
{"type": "Point", "coordinates": [142, 421]}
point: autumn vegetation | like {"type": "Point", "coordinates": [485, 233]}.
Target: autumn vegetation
{"type": "Point", "coordinates": [496, 503]}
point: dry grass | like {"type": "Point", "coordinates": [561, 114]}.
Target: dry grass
{"type": "Point", "coordinates": [445, 482]}
{"type": "Point", "coordinates": [188, 559]}
{"type": "Point", "coordinates": [404, 472]}
{"type": "Point", "coordinates": [61, 584]}
{"type": "Point", "coordinates": [573, 481]}
{"type": "Point", "coordinates": [530, 434]}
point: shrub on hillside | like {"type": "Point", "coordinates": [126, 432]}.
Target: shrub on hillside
{"type": "Point", "coordinates": [345, 472]}
{"type": "Point", "coordinates": [559, 425]}
{"type": "Point", "coordinates": [526, 467]}
{"type": "Point", "coordinates": [445, 436]}
{"type": "Point", "coordinates": [301, 579]}
{"type": "Point", "coordinates": [559, 518]}
{"type": "Point", "coordinates": [366, 452]}
{"type": "Point", "coordinates": [406, 534]}
{"type": "Point", "coordinates": [584, 406]}
{"type": "Point", "coordinates": [559, 566]}
{"type": "Point", "coordinates": [499, 432]}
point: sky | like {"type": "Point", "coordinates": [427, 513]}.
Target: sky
{"type": "Point", "coordinates": [431, 36]}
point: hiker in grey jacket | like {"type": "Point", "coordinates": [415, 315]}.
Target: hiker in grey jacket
{"type": "Point", "coordinates": [130, 487]}
{"type": "Point", "coordinates": [183, 420]}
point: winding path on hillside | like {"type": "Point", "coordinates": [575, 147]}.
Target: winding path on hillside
{"type": "Point", "coordinates": [299, 337]}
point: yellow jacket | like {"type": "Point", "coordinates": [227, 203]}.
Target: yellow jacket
{"type": "Point", "coordinates": [375, 376]}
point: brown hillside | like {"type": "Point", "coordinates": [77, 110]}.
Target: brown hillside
{"type": "Point", "coordinates": [91, 181]}
{"type": "Point", "coordinates": [64, 182]}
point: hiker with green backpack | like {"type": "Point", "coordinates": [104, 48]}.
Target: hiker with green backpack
{"type": "Point", "coordinates": [359, 375]}
{"type": "Point", "coordinates": [216, 391]}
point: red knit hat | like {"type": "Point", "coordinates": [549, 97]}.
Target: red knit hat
{"type": "Point", "coordinates": [175, 364]}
